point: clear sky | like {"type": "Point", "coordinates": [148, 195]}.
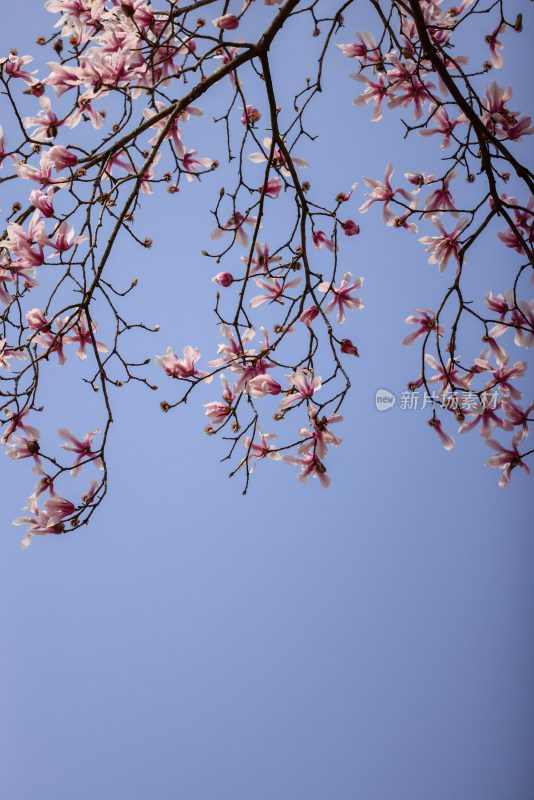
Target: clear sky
{"type": "Point", "coordinates": [369, 642]}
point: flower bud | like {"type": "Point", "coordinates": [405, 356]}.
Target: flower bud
{"type": "Point", "coordinates": [223, 279]}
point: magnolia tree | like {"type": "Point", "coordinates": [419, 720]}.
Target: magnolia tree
{"type": "Point", "coordinates": [134, 76]}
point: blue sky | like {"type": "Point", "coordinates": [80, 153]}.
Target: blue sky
{"type": "Point", "coordinates": [371, 641]}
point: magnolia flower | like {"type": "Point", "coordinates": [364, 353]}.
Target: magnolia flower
{"type": "Point", "coordinates": [319, 238]}
{"type": "Point", "coordinates": [445, 126]}
{"type": "Point", "coordinates": [191, 164]}
{"type": "Point", "coordinates": [365, 48]}
{"type": "Point", "coordinates": [310, 466]}
{"type": "Point", "coordinates": [342, 297]}
{"type": "Point", "coordinates": [80, 333]}
{"type": "Point", "coordinates": [383, 193]}
{"type": "Point", "coordinates": [260, 262]}
{"type": "Point", "coordinates": [183, 367]}
{"type": "Point", "coordinates": [275, 290]}
{"type": "Point", "coordinates": [443, 247]}
{"type": "Point", "coordinates": [349, 348]}
{"type": "Point", "coordinates": [495, 44]}
{"type": "Point", "coordinates": [227, 22]}
{"type": "Point", "coordinates": [278, 159]}
{"type": "Point", "coordinates": [272, 188]}
{"type": "Point", "coordinates": [426, 323]}
{"type": "Point", "coordinates": [446, 440]}
{"type": "Point", "coordinates": [308, 315]}
{"type": "Point", "coordinates": [251, 115]}
{"type": "Point", "coordinates": [234, 349]}
{"type": "Point", "coordinates": [16, 421]}
{"type": "Point", "coordinates": [82, 448]}
{"type": "Point", "coordinates": [260, 450]}
{"type": "Point", "coordinates": [223, 279]}
{"type": "Point", "coordinates": [441, 199]}
{"type": "Point", "coordinates": [235, 223]}
{"type": "Point", "coordinates": [507, 460]}
{"type": "Point", "coordinates": [304, 386]}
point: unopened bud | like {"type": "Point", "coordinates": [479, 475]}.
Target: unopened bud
{"type": "Point", "coordinates": [164, 406]}
{"type": "Point", "coordinates": [518, 24]}
{"type": "Point", "coordinates": [119, 383]}
{"type": "Point", "coordinates": [40, 40]}
{"type": "Point", "coordinates": [209, 430]}
{"type": "Point", "coordinates": [156, 328]}
{"type": "Point", "coordinates": [277, 415]}
{"type": "Point", "coordinates": [135, 282]}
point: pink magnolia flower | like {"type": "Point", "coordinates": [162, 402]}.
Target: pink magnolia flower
{"type": "Point", "coordinates": [183, 368]}
{"type": "Point", "coordinates": [487, 417]}
{"type": "Point", "coordinates": [216, 411]}
{"type": "Point", "coordinates": [342, 197]}
{"type": "Point", "coordinates": [233, 350]}
{"type": "Point", "coordinates": [495, 44]}
{"type": "Point", "coordinates": [260, 450]}
{"type": "Point", "coordinates": [80, 333]}
{"type": "Point", "coordinates": [418, 179]}
{"type": "Point", "coordinates": [262, 385]}
{"type": "Point", "coordinates": [191, 164]}
{"type": "Point", "coordinates": [278, 160]}
{"type": "Point", "coordinates": [426, 323]}
{"type": "Point", "coordinates": [504, 374]}
{"type": "Point", "coordinates": [349, 348]}
{"type": "Point", "coordinates": [43, 202]}
{"type": "Point", "coordinates": [46, 123]}
{"type": "Point", "coordinates": [235, 223]}
{"type": "Point", "coordinates": [261, 261]}
{"type": "Point", "coordinates": [444, 125]}
{"type": "Point", "coordinates": [82, 448]}
{"type": "Point", "coordinates": [223, 279]}
{"type": "Point", "coordinates": [319, 238]}
{"type": "Point", "coordinates": [317, 439]}
{"type": "Point", "coordinates": [449, 376]}
{"type": "Point", "coordinates": [6, 353]}
{"type": "Point", "coordinates": [446, 440]}
{"type": "Point", "coordinates": [44, 521]}
{"type": "Point", "coordinates": [304, 385]}
{"type": "Point", "coordinates": [88, 496]}
{"type": "Point", "coordinates": [16, 421]}
{"type": "Point", "coordinates": [441, 199]}
{"type": "Point", "coordinates": [43, 175]}
{"type": "Point", "coordinates": [342, 297]}
{"type": "Point", "coordinates": [308, 315]}
{"type": "Point", "coordinates": [275, 290]}
{"type": "Point", "coordinates": [350, 228]}
{"type": "Point", "coordinates": [63, 239]}
{"type": "Point", "coordinates": [13, 64]}
{"type": "Point", "coordinates": [507, 460]}
{"type": "Point", "coordinates": [250, 116]}
{"type": "Point", "coordinates": [273, 187]}
{"type": "Point", "coordinates": [375, 92]}
{"type": "Point", "coordinates": [61, 158]}
{"type": "Point", "coordinates": [173, 133]}
{"type": "Point", "coordinates": [383, 193]}
{"type": "Point", "coordinates": [516, 414]}
{"type": "Point", "coordinates": [310, 466]}
{"type": "Point", "coordinates": [228, 22]}
{"type": "Point", "coordinates": [364, 48]}
{"type": "Point", "coordinates": [24, 447]}
{"type": "Point", "coordinates": [443, 247]}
